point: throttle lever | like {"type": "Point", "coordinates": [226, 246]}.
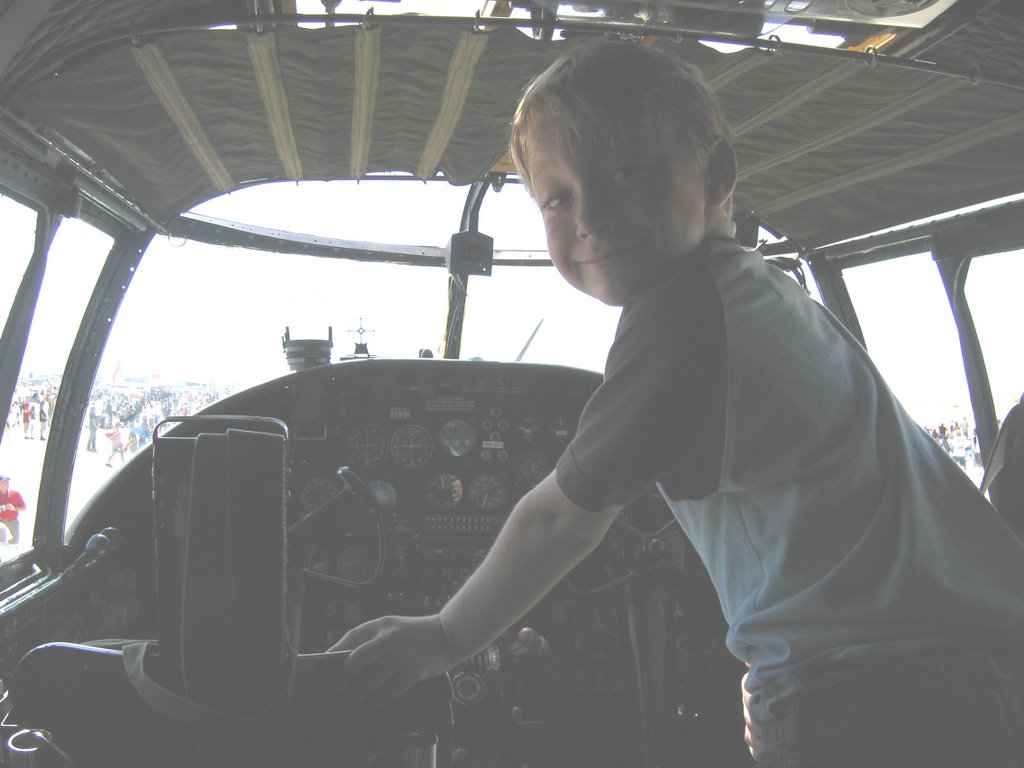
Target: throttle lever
{"type": "Point", "coordinates": [355, 485]}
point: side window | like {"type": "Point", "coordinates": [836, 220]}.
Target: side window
{"type": "Point", "coordinates": [993, 285]}
{"type": "Point", "coordinates": [72, 266]}
{"type": "Point", "coordinates": [911, 334]}
{"type": "Point", "coordinates": [18, 224]}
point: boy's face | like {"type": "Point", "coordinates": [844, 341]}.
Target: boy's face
{"type": "Point", "coordinates": [618, 222]}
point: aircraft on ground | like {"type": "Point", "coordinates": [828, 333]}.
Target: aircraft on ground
{"type": "Point", "coordinates": [269, 258]}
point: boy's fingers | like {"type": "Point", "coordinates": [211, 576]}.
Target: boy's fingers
{"type": "Point", "coordinates": [354, 638]}
{"type": "Point", "coordinates": [751, 732]}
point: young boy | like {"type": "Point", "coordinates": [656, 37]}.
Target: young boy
{"type": "Point", "coordinates": [876, 596]}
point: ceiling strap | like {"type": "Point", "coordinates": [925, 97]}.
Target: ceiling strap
{"type": "Point", "coordinates": [751, 60]}
{"type": "Point", "coordinates": [367, 77]}
{"type": "Point", "coordinates": [879, 117]}
{"type": "Point", "coordinates": [460, 77]}
{"type": "Point", "coordinates": [794, 99]}
{"type": "Point", "coordinates": [164, 85]}
{"type": "Point", "coordinates": [990, 131]}
{"type": "Point", "coordinates": [263, 52]}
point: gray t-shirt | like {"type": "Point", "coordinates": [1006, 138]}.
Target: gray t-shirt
{"type": "Point", "coordinates": [832, 526]}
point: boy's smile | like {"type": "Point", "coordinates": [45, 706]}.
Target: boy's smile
{"type": "Point", "coordinates": [618, 221]}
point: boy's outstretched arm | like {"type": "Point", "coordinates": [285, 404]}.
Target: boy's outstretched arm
{"type": "Point", "coordinates": [544, 537]}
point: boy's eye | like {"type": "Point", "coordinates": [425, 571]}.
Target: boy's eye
{"type": "Point", "coordinates": [554, 201]}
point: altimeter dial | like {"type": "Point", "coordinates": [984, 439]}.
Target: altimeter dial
{"type": "Point", "coordinates": [488, 493]}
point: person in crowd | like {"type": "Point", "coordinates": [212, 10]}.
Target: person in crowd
{"type": "Point", "coordinates": [44, 418]}
{"type": "Point", "coordinates": [92, 425]}
{"type": "Point", "coordinates": [117, 443]}
{"type": "Point", "coordinates": [26, 417]}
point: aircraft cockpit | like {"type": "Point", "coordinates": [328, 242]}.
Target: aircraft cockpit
{"type": "Point", "coordinates": [284, 347]}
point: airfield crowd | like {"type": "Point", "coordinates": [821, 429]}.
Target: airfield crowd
{"type": "Point", "coordinates": [124, 417]}
{"type": "Point", "coordinates": [958, 441]}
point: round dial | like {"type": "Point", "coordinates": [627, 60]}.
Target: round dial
{"type": "Point", "coordinates": [531, 467]}
{"type": "Point", "coordinates": [530, 428]}
{"type": "Point", "coordinates": [444, 491]}
{"type": "Point", "coordinates": [411, 446]}
{"type": "Point", "coordinates": [457, 437]}
{"type": "Point", "coordinates": [355, 563]}
{"type": "Point", "coordinates": [384, 492]}
{"type": "Point", "coordinates": [488, 493]}
{"type": "Point", "coordinates": [468, 688]}
{"type": "Point", "coordinates": [317, 492]}
{"type": "Point", "coordinates": [366, 445]}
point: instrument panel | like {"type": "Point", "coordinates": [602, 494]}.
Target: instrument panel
{"type": "Point", "coordinates": [400, 475]}
{"type": "Point", "coordinates": [444, 448]}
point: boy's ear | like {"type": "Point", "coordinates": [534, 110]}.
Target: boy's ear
{"type": "Point", "coordinates": [720, 177]}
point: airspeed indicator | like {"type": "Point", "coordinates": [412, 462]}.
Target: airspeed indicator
{"type": "Point", "coordinates": [488, 493]}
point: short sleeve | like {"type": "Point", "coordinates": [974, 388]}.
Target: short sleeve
{"type": "Point", "coordinates": [659, 414]}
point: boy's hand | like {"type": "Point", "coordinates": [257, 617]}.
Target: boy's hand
{"type": "Point", "coordinates": [390, 654]}
{"type": "Point", "coordinates": [751, 733]}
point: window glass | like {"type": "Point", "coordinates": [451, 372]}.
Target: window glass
{"type": "Point", "coordinates": [530, 313]}
{"type": "Point", "coordinates": [18, 223]}
{"type": "Point", "coordinates": [992, 288]}
{"type": "Point", "coordinates": [199, 322]}
{"type": "Point", "coordinates": [535, 314]}
{"type": "Point", "coordinates": [512, 218]}
{"type": "Point", "coordinates": [72, 266]}
{"type": "Point", "coordinates": [911, 334]}
{"type": "Point", "coordinates": [399, 211]}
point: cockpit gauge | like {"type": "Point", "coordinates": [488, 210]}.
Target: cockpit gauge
{"type": "Point", "coordinates": [457, 437]}
{"type": "Point", "coordinates": [562, 429]}
{"type": "Point", "coordinates": [355, 563]}
{"type": "Point", "coordinates": [488, 493]}
{"type": "Point", "coordinates": [443, 491]}
{"type": "Point", "coordinates": [530, 468]}
{"type": "Point", "coordinates": [384, 493]}
{"type": "Point", "coordinates": [411, 446]}
{"type": "Point", "coordinates": [530, 428]}
{"type": "Point", "coordinates": [367, 445]}
{"type": "Point", "coordinates": [317, 492]}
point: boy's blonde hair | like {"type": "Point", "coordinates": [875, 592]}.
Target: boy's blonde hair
{"type": "Point", "coordinates": [600, 94]}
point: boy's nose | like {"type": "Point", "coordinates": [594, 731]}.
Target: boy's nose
{"type": "Point", "coordinates": [595, 213]}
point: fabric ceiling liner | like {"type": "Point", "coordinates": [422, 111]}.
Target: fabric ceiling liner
{"type": "Point", "coordinates": [263, 52]}
{"type": "Point", "coordinates": [828, 149]}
